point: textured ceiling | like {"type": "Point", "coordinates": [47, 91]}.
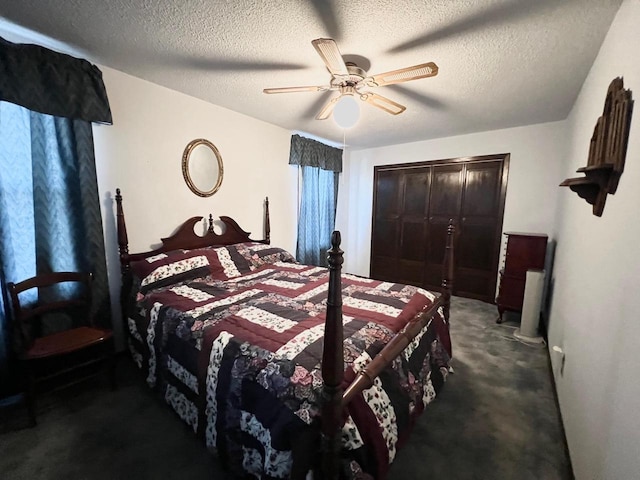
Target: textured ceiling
{"type": "Point", "coordinates": [502, 63]}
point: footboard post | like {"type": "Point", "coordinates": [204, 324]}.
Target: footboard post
{"type": "Point", "coordinates": [123, 247]}
{"type": "Point", "coordinates": [267, 222]}
{"type": "Point", "coordinates": [447, 270]}
{"type": "Point", "coordinates": [332, 365]}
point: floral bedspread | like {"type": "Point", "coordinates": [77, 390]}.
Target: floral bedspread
{"type": "Point", "coordinates": [237, 353]}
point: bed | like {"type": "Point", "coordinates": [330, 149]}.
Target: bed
{"type": "Point", "coordinates": [283, 369]}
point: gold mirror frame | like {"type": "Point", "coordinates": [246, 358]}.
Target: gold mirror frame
{"type": "Point", "coordinates": [185, 167]}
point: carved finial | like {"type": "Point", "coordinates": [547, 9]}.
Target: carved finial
{"type": "Point", "coordinates": [267, 222]}
{"type": "Point", "coordinates": [335, 257]}
{"type": "Point", "coordinates": [335, 239]}
{"type": "Point", "coordinates": [210, 227]}
{"type": "Point", "coordinates": [123, 241]}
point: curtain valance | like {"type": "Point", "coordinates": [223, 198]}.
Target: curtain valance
{"type": "Point", "coordinates": [52, 83]}
{"type": "Point", "coordinates": [310, 153]}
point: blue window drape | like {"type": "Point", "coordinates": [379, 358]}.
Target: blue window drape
{"type": "Point", "coordinates": [317, 215]}
{"type": "Point", "coordinates": [50, 216]}
{"type": "Point", "coordinates": [320, 165]}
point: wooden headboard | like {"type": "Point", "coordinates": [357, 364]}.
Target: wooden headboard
{"type": "Point", "coordinates": [184, 238]}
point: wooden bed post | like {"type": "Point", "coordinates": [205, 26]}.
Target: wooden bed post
{"type": "Point", "coordinates": [332, 365]}
{"type": "Point", "coordinates": [123, 247]}
{"type": "Point", "coordinates": [123, 240]}
{"type": "Point", "coordinates": [448, 270]}
{"type": "Point", "coordinates": [267, 224]}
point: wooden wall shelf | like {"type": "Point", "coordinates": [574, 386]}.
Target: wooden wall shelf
{"type": "Point", "coordinates": [607, 150]}
{"type": "Point", "coordinates": [584, 187]}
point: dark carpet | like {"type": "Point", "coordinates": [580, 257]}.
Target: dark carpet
{"type": "Point", "coordinates": [495, 419]}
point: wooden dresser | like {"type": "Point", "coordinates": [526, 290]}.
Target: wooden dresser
{"type": "Point", "coordinates": [525, 251]}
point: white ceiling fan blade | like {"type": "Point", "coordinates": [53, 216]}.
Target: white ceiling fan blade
{"type": "Point", "coordinates": [383, 103]}
{"type": "Point", "coordinates": [296, 89]}
{"type": "Point", "coordinates": [328, 108]}
{"type": "Point", "coordinates": [328, 51]}
{"type": "Point", "coordinates": [423, 70]}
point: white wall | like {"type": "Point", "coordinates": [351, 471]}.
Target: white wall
{"type": "Point", "coordinates": [595, 310]}
{"type": "Point", "coordinates": [141, 154]}
{"type": "Point", "coordinates": [535, 169]}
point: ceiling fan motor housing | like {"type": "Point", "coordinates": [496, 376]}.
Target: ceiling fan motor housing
{"type": "Point", "coordinates": [356, 74]}
{"type": "Point", "coordinates": [355, 71]}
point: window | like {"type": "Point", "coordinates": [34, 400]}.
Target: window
{"type": "Point", "coordinates": [320, 165]}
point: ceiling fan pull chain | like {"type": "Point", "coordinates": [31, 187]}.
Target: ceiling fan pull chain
{"type": "Point", "coordinates": [344, 146]}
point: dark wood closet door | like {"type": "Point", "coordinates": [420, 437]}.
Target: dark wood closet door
{"type": "Point", "coordinates": [445, 199]}
{"type": "Point", "coordinates": [399, 230]}
{"type": "Point", "coordinates": [415, 189]}
{"type": "Point", "coordinates": [412, 207]}
{"type": "Point", "coordinates": [386, 220]}
{"type": "Point", "coordinates": [478, 246]}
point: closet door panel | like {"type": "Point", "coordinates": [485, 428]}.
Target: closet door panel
{"type": "Point", "coordinates": [384, 243]}
{"type": "Point", "coordinates": [385, 238]}
{"type": "Point", "coordinates": [445, 199]}
{"type": "Point", "coordinates": [413, 240]}
{"type": "Point", "coordinates": [476, 246]}
{"type": "Point", "coordinates": [416, 192]}
{"type": "Point", "coordinates": [482, 189]}
{"type": "Point", "coordinates": [446, 191]}
{"type": "Point", "coordinates": [387, 192]}
{"type": "Point", "coordinates": [480, 226]}
{"type": "Point", "coordinates": [433, 266]}
{"type": "Point", "coordinates": [410, 265]}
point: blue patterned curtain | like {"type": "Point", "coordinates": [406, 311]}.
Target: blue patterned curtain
{"type": "Point", "coordinates": [311, 153]}
{"type": "Point", "coordinates": [320, 165]}
{"type": "Point", "coordinates": [50, 217]}
{"type": "Point", "coordinates": [317, 215]}
{"type": "Point", "coordinates": [51, 82]}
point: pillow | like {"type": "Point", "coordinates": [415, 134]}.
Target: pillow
{"type": "Point", "coordinates": [221, 263]}
{"type": "Point", "coordinates": [174, 267]}
{"type": "Point", "coordinates": [241, 258]}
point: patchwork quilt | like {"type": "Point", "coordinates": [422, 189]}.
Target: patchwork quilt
{"type": "Point", "coordinates": [232, 338]}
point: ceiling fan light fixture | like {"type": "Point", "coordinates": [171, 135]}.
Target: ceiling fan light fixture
{"type": "Point", "coordinates": [346, 112]}
{"type": "Point", "coordinates": [350, 79]}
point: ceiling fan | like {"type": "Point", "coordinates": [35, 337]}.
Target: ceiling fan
{"type": "Point", "coordinates": [349, 79]}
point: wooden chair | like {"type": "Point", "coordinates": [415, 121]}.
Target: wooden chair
{"type": "Point", "coordinates": [65, 353]}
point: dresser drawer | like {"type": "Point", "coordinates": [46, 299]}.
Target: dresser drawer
{"type": "Point", "coordinates": [524, 253]}
{"type": "Point", "coordinates": [511, 292]}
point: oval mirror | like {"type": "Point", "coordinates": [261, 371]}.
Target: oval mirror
{"type": "Point", "coordinates": [202, 167]}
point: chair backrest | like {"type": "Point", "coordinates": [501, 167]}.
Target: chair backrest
{"type": "Point", "coordinates": [28, 316]}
